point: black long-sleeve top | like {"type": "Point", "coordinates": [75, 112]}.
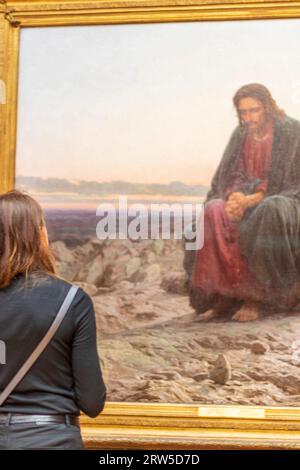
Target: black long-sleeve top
{"type": "Point", "coordinates": [67, 377]}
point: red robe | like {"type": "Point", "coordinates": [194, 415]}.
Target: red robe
{"type": "Point", "coordinates": [219, 265]}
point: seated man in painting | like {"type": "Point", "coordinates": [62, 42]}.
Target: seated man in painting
{"type": "Point", "coordinates": [251, 252]}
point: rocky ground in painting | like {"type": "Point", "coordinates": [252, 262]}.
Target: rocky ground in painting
{"type": "Point", "coordinates": [152, 347]}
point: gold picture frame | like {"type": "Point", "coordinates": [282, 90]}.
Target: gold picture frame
{"type": "Point", "coordinates": [141, 425]}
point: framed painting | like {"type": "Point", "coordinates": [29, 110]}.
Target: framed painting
{"type": "Point", "coordinates": [150, 130]}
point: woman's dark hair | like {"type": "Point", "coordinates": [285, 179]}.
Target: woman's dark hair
{"type": "Point", "coordinates": [23, 243]}
{"type": "Point", "coordinates": [262, 94]}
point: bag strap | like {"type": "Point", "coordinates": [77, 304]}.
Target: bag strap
{"type": "Point", "coordinates": [41, 346]}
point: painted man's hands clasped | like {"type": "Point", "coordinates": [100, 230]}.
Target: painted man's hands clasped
{"type": "Point", "coordinates": [237, 203]}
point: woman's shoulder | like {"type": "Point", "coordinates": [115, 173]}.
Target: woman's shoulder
{"type": "Point", "coordinates": [81, 307]}
{"type": "Point", "coordinates": [61, 284]}
{"type": "Point", "coordinates": [50, 285]}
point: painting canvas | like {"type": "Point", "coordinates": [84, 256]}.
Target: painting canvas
{"type": "Point", "coordinates": [115, 122]}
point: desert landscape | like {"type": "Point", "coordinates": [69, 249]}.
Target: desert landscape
{"type": "Point", "coordinates": [152, 347]}
{"type": "Point", "coordinates": [151, 344]}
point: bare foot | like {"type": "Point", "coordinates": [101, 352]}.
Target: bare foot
{"type": "Point", "coordinates": [221, 307]}
{"type": "Point", "coordinates": [248, 312]}
{"type": "Point", "coordinates": [207, 315]}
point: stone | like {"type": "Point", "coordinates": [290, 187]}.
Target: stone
{"type": "Point", "coordinates": [132, 266]}
{"type": "Point", "coordinates": [174, 283]}
{"type": "Point", "coordinates": [257, 347]}
{"type": "Point", "coordinates": [61, 252]}
{"type": "Point", "coordinates": [221, 371]}
{"type": "Point", "coordinates": [92, 273]}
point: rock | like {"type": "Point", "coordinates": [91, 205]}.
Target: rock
{"type": "Point", "coordinates": [90, 289]}
{"type": "Point", "coordinates": [65, 261]}
{"type": "Point", "coordinates": [150, 273]}
{"type": "Point", "coordinates": [174, 283]}
{"type": "Point", "coordinates": [158, 246]}
{"type": "Point", "coordinates": [200, 377]}
{"type": "Point", "coordinates": [88, 249]}
{"type": "Point", "coordinates": [115, 271]}
{"type": "Point", "coordinates": [92, 273]}
{"type": "Point", "coordinates": [109, 319]}
{"type": "Point", "coordinates": [221, 372]}
{"type": "Point", "coordinates": [104, 290]}
{"type": "Point", "coordinates": [257, 347]}
{"type": "Point", "coordinates": [95, 271]}
{"type": "Point", "coordinates": [124, 286]}
{"type": "Point", "coordinates": [132, 266]}
{"type": "Point", "coordinates": [95, 243]}
{"type": "Point", "coordinates": [165, 391]}
{"type": "Point", "coordinates": [150, 258]}
{"type": "Point", "coordinates": [110, 251]}
{"type": "Point", "coordinates": [61, 252]}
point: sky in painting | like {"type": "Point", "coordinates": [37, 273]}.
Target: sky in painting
{"type": "Point", "coordinates": [144, 103]}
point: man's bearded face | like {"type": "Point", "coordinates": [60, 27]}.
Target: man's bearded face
{"type": "Point", "coordinates": [252, 114]}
